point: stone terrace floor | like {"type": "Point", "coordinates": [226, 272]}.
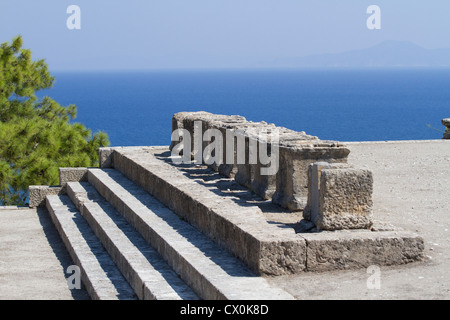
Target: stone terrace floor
{"type": "Point", "coordinates": [411, 180]}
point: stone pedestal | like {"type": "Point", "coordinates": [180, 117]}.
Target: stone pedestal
{"type": "Point", "coordinates": [292, 178]}
{"type": "Point", "coordinates": [339, 197]}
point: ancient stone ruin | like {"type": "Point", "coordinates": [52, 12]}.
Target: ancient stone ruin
{"type": "Point", "coordinates": [145, 224]}
{"type": "Point", "coordinates": [339, 197]}
{"type": "Point", "coordinates": [296, 151]}
{"type": "Point", "coordinates": [446, 123]}
{"type": "Point", "coordinates": [311, 174]}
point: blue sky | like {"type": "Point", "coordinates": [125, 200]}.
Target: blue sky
{"type": "Point", "coordinates": [148, 34]}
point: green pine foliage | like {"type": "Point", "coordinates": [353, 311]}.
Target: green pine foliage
{"type": "Point", "coordinates": [36, 136]}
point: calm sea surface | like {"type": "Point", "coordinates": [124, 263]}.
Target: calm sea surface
{"type": "Point", "coordinates": [135, 108]}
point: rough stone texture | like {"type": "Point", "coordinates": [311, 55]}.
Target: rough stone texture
{"type": "Point", "coordinates": [339, 197]}
{"type": "Point", "coordinates": [360, 249]}
{"type": "Point", "coordinates": [345, 200]}
{"type": "Point", "coordinates": [72, 175]}
{"type": "Point", "coordinates": [293, 152]}
{"type": "Point", "coordinates": [37, 194]}
{"type": "Point", "coordinates": [105, 157]}
{"type": "Point", "coordinates": [284, 255]}
{"type": "Point", "coordinates": [292, 177]}
{"type": "Point", "coordinates": [225, 124]}
{"type": "Point", "coordinates": [263, 185]}
{"type": "Point", "coordinates": [446, 123]}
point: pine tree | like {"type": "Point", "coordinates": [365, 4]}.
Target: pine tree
{"type": "Point", "coordinates": [37, 136]}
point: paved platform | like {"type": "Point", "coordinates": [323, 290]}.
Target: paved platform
{"type": "Point", "coordinates": [410, 192]}
{"type": "Point", "coordinates": [411, 180]}
{"type": "Point", "coordinates": [33, 259]}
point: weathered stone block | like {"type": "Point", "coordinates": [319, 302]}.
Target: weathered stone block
{"type": "Point", "coordinates": [282, 256]}
{"type": "Point", "coordinates": [188, 121]}
{"type": "Point", "coordinates": [105, 157]}
{"type": "Point", "coordinates": [261, 153]}
{"type": "Point", "coordinates": [37, 194]}
{"type": "Point", "coordinates": [246, 169]}
{"type": "Point", "coordinates": [446, 123]}
{"type": "Point", "coordinates": [354, 249]}
{"type": "Point", "coordinates": [292, 177]}
{"type": "Point", "coordinates": [263, 185]}
{"type": "Point", "coordinates": [72, 175]}
{"type": "Point", "coordinates": [339, 197]}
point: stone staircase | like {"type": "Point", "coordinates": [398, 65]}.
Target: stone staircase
{"type": "Point", "coordinates": [130, 244]}
{"type": "Point", "coordinates": [142, 227]}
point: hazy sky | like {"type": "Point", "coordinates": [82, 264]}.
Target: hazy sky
{"type": "Point", "coordinates": [144, 34]}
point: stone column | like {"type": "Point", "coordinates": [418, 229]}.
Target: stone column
{"type": "Point", "coordinates": [264, 181]}
{"type": "Point", "coordinates": [258, 172]}
{"type": "Point", "coordinates": [229, 129]}
{"type": "Point", "coordinates": [246, 169]}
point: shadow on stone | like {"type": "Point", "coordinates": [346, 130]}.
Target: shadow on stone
{"type": "Point", "coordinates": [228, 187]}
{"type": "Point", "coordinates": [59, 249]}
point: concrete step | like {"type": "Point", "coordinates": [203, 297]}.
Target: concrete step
{"type": "Point", "coordinates": [145, 270]}
{"type": "Point", "coordinates": [211, 271]}
{"type": "Point", "coordinates": [99, 274]}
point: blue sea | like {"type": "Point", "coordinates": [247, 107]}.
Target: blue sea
{"type": "Point", "coordinates": [136, 108]}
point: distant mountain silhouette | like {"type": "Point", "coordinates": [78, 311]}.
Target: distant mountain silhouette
{"type": "Point", "coordinates": [385, 54]}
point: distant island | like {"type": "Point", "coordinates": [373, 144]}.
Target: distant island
{"type": "Point", "coordinates": [386, 54]}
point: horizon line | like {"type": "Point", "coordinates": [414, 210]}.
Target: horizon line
{"type": "Point", "coordinates": [280, 68]}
